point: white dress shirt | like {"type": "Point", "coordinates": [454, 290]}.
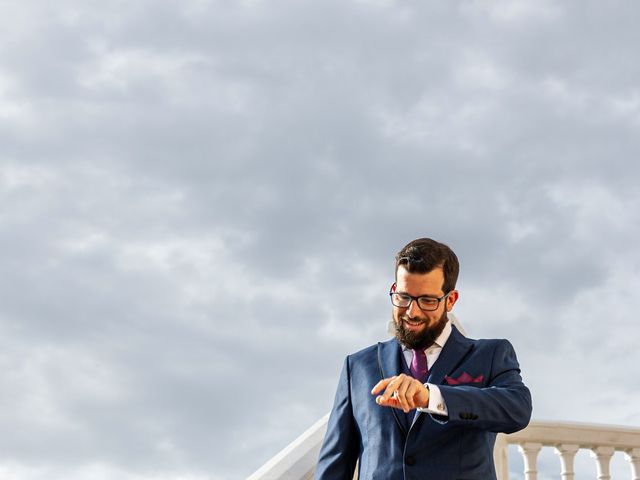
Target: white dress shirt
{"type": "Point", "coordinates": [437, 404]}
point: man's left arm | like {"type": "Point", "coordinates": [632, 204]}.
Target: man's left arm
{"type": "Point", "coordinates": [503, 405]}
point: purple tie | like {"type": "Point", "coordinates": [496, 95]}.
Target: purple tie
{"type": "Point", "coordinates": [419, 364]}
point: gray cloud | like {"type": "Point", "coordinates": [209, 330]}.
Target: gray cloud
{"type": "Point", "coordinates": [201, 203]}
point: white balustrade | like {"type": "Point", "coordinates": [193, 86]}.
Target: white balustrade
{"type": "Point", "coordinates": [297, 461]}
{"type": "Point", "coordinates": [567, 439]}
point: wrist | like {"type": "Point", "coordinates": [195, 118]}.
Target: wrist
{"type": "Point", "coordinates": [426, 397]}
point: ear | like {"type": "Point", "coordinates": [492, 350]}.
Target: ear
{"type": "Point", "coordinates": [452, 299]}
{"type": "Point", "coordinates": [393, 287]}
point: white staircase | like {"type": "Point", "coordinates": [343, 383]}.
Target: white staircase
{"type": "Point", "coordinates": [298, 460]}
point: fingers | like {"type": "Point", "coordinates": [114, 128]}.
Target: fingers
{"type": "Point", "coordinates": [389, 397]}
{"type": "Point", "coordinates": [387, 402]}
{"type": "Point", "coordinates": [411, 394]}
{"type": "Point", "coordinates": [401, 396]}
{"type": "Point", "coordinates": [401, 391]}
{"type": "Point", "coordinates": [382, 384]}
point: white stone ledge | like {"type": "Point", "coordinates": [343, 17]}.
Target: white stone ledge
{"type": "Point", "coordinates": [297, 461]}
{"type": "Point", "coordinates": [586, 435]}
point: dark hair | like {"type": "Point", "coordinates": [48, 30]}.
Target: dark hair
{"type": "Point", "coordinates": [424, 254]}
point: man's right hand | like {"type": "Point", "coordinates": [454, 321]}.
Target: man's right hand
{"type": "Point", "coordinates": [402, 392]}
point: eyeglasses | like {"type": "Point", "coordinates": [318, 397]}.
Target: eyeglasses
{"type": "Point", "coordinates": [426, 303]}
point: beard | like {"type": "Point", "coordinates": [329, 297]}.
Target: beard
{"type": "Point", "coordinates": [422, 339]}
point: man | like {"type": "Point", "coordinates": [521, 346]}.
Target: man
{"type": "Point", "coordinates": [428, 403]}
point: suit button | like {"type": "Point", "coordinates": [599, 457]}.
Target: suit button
{"type": "Point", "coordinates": [409, 460]}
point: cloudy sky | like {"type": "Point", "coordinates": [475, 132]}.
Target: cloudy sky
{"type": "Point", "coordinates": [200, 202]}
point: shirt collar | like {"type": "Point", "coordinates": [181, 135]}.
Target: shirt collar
{"type": "Point", "coordinates": [441, 340]}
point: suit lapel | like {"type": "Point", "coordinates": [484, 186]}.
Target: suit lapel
{"type": "Point", "coordinates": [390, 364]}
{"type": "Point", "coordinates": [452, 354]}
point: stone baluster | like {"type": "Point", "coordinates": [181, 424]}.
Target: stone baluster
{"type": "Point", "coordinates": [567, 453]}
{"type": "Point", "coordinates": [529, 451]}
{"type": "Point", "coordinates": [633, 457]}
{"type": "Point", "coordinates": [603, 459]}
{"type": "Point", "coordinates": [501, 457]}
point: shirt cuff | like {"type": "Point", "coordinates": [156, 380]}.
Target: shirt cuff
{"type": "Point", "coordinates": [437, 405]}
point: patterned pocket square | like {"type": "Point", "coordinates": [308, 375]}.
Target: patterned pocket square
{"type": "Point", "coordinates": [464, 378]}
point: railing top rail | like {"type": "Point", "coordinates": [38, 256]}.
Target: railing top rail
{"type": "Point", "coordinates": [586, 435]}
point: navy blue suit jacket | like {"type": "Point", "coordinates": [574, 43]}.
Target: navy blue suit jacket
{"type": "Point", "coordinates": [481, 384]}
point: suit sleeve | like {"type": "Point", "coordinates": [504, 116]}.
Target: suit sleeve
{"type": "Point", "coordinates": [503, 405]}
{"type": "Point", "coordinates": [339, 451]}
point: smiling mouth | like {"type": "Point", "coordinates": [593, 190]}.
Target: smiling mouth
{"type": "Point", "coordinates": [413, 323]}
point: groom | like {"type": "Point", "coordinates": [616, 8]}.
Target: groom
{"type": "Point", "coordinates": [428, 403]}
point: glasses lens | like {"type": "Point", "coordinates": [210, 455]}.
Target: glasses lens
{"type": "Point", "coordinates": [427, 303]}
{"type": "Point", "coordinates": [400, 300]}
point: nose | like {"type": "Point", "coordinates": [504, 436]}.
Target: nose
{"type": "Point", "coordinates": [414, 310]}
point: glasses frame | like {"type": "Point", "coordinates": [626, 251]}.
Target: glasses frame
{"type": "Point", "coordinates": [393, 292]}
